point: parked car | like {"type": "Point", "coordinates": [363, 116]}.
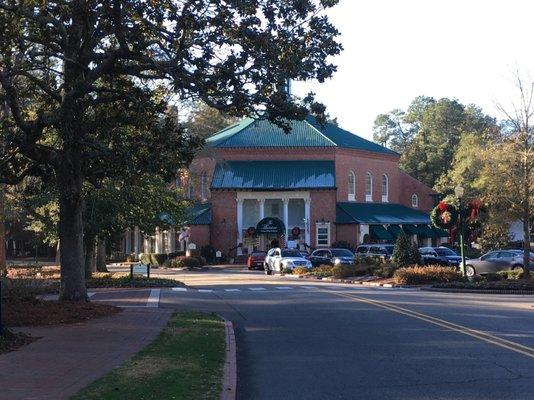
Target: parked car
{"type": "Point", "coordinates": [332, 257]}
{"type": "Point", "coordinates": [256, 260]}
{"type": "Point", "coordinates": [495, 261]}
{"type": "Point", "coordinates": [278, 259]}
{"type": "Point", "coordinates": [381, 251]}
{"type": "Point", "coordinates": [440, 255]}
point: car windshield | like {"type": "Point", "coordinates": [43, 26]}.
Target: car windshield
{"type": "Point", "coordinates": [291, 253]}
{"type": "Point", "coordinates": [445, 252]}
{"type": "Point", "coordinates": [341, 253]}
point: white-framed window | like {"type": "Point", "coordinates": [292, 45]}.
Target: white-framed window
{"type": "Point", "coordinates": [385, 188]}
{"type": "Point", "coordinates": [415, 200]}
{"type": "Point", "coordinates": [368, 187]}
{"type": "Point", "coordinates": [323, 234]}
{"type": "Point", "coordinates": [352, 186]}
{"type": "Point", "coordinates": [204, 185]}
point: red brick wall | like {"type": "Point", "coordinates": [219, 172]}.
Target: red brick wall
{"type": "Point", "coordinates": [200, 235]}
{"type": "Point", "coordinates": [224, 220]}
{"type": "Point", "coordinates": [348, 233]}
{"type": "Point", "coordinates": [409, 187]}
{"type": "Point", "coordinates": [322, 206]}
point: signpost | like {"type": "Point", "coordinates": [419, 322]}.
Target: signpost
{"type": "Point", "coordinates": [139, 269]}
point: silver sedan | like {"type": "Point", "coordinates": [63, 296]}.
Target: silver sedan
{"type": "Point", "coordinates": [495, 261]}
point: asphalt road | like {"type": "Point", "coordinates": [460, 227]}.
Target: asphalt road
{"type": "Point", "coordinates": [302, 340]}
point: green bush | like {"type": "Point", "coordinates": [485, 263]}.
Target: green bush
{"type": "Point", "coordinates": [428, 274]}
{"type": "Point", "coordinates": [185, 262]}
{"type": "Point", "coordinates": [322, 271]}
{"type": "Point", "coordinates": [385, 270]}
{"type": "Point", "coordinates": [175, 254]}
{"type": "Point", "coordinates": [300, 271]}
{"type": "Point", "coordinates": [401, 251]}
{"type": "Point", "coordinates": [343, 271]}
{"type": "Point", "coordinates": [208, 252]}
{"type": "Point", "coordinates": [511, 274]}
{"type": "Point", "coordinates": [145, 258]}
{"type": "Point", "coordinates": [153, 259]}
{"type": "Point", "coordinates": [492, 277]}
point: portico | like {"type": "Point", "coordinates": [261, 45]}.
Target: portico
{"type": "Point", "coordinates": [291, 207]}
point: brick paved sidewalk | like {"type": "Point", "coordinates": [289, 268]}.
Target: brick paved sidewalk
{"type": "Point", "coordinates": [69, 357]}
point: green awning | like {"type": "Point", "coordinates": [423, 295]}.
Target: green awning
{"type": "Point", "coordinates": [270, 225]}
{"type": "Point", "coordinates": [440, 232]}
{"type": "Point", "coordinates": [379, 214]}
{"type": "Point", "coordinates": [426, 231]}
{"type": "Point", "coordinates": [410, 229]}
{"type": "Point", "coordinates": [378, 232]}
{"type": "Point", "coordinates": [395, 230]}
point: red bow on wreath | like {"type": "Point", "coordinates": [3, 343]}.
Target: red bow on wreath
{"type": "Point", "coordinates": [442, 206]}
{"type": "Point", "coordinates": [475, 208]}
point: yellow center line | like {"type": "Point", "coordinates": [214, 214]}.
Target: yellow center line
{"type": "Point", "coordinates": [486, 337]}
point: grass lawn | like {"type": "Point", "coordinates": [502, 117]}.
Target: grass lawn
{"type": "Point", "coordinates": [185, 362]}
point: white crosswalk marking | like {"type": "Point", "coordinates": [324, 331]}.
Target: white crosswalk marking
{"type": "Point", "coordinates": [179, 289]}
{"type": "Point", "coordinates": [257, 288]}
{"type": "Point", "coordinates": [205, 290]}
{"type": "Point", "coordinates": [284, 288]}
{"type": "Point", "coordinates": [232, 290]}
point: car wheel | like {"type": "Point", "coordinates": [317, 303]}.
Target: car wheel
{"type": "Point", "coordinates": [518, 267]}
{"type": "Point", "coordinates": [470, 271]}
{"type": "Point", "coordinates": [267, 270]}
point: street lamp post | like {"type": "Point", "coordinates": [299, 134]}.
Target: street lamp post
{"type": "Point", "coordinates": [459, 192]}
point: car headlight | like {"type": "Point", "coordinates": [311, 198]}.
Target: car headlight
{"type": "Point", "coordinates": [337, 261]}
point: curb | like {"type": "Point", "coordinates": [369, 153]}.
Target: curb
{"type": "Point", "coordinates": [229, 384]}
{"type": "Point", "coordinates": [351, 281]}
{"type": "Point", "coordinates": [480, 291]}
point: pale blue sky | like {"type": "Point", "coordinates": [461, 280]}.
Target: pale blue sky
{"type": "Point", "coordinates": [396, 50]}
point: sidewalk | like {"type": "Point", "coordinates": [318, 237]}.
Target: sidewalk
{"type": "Point", "coordinates": [69, 357]}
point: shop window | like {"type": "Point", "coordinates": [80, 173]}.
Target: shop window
{"type": "Point", "coordinates": [323, 234]}
{"type": "Point", "coordinates": [369, 187]}
{"type": "Point", "coordinates": [385, 188]}
{"type": "Point", "coordinates": [415, 200]}
{"type": "Point", "coordinates": [352, 186]}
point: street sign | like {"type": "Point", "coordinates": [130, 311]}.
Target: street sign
{"type": "Point", "coordinates": [139, 269]}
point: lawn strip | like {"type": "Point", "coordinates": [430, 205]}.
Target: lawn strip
{"type": "Point", "coordinates": [185, 362]}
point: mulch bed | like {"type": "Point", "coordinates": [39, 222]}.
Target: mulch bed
{"type": "Point", "coordinates": [17, 312]}
{"type": "Point", "coordinates": [508, 285]}
{"type": "Point", "coordinates": [10, 341]}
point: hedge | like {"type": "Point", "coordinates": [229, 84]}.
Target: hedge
{"type": "Point", "coordinates": [424, 275]}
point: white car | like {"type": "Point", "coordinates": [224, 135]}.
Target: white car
{"type": "Point", "coordinates": [279, 259]}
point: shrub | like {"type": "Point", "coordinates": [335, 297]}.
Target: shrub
{"type": "Point", "coordinates": [208, 252]}
{"type": "Point", "coordinates": [401, 251]}
{"type": "Point", "coordinates": [515, 274]}
{"type": "Point", "coordinates": [145, 258]}
{"type": "Point", "coordinates": [492, 277]}
{"type": "Point", "coordinates": [158, 258]}
{"type": "Point", "coordinates": [300, 271]}
{"type": "Point", "coordinates": [342, 271]}
{"type": "Point", "coordinates": [385, 270]}
{"type": "Point", "coordinates": [429, 274]}
{"type": "Point", "coordinates": [27, 288]}
{"type": "Point", "coordinates": [185, 262]}
{"type": "Point", "coordinates": [175, 254]}
{"type": "Point", "coordinates": [322, 271]}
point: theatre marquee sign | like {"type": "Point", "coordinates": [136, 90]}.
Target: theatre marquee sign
{"type": "Point", "coordinates": [270, 226]}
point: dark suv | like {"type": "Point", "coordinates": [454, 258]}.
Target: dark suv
{"type": "Point", "coordinates": [331, 257]}
{"type": "Point", "coordinates": [440, 256]}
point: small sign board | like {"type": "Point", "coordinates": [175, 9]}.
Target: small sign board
{"type": "Point", "coordinates": [140, 269]}
{"type": "Point", "coordinates": [192, 246]}
{"type": "Point", "coordinates": [218, 254]}
{"type": "Point", "coordinates": [270, 225]}
{"type": "Point", "coordinates": [291, 244]}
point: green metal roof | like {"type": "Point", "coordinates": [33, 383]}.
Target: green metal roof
{"type": "Point", "coordinates": [199, 214]}
{"type": "Point", "coordinates": [274, 175]}
{"type": "Point", "coordinates": [378, 232]}
{"type": "Point", "coordinates": [440, 232]}
{"type": "Point", "coordinates": [378, 213]}
{"type": "Point", "coordinates": [308, 133]}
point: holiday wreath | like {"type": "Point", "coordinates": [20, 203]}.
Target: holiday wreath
{"type": "Point", "coordinates": [444, 215]}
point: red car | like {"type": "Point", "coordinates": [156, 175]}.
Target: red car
{"type": "Point", "coordinates": [256, 260]}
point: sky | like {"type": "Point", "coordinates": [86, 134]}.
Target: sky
{"type": "Point", "coordinates": [397, 50]}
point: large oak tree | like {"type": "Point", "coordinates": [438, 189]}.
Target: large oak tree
{"type": "Point", "coordinates": [86, 84]}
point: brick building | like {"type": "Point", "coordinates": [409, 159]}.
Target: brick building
{"type": "Point", "coordinates": [256, 186]}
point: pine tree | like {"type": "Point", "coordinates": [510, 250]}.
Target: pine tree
{"type": "Point", "coordinates": [401, 250]}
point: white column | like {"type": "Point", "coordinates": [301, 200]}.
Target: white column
{"type": "Point", "coordinates": [364, 230]}
{"type": "Point", "coordinates": [239, 223]}
{"type": "Point", "coordinates": [158, 241]}
{"type": "Point", "coordinates": [262, 208]}
{"type": "Point", "coordinates": [171, 240]}
{"type": "Point", "coordinates": [286, 217]}
{"type": "Point", "coordinates": [136, 241]}
{"type": "Point", "coordinates": [307, 225]}
{"type": "Point", "coordinates": [128, 241]}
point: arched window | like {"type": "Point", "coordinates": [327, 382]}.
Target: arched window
{"type": "Point", "coordinates": [190, 188]}
{"type": "Point", "coordinates": [369, 187]}
{"type": "Point", "coordinates": [385, 188]}
{"type": "Point", "coordinates": [352, 186]}
{"type": "Point", "coordinates": [204, 186]}
{"type": "Point", "coordinates": [415, 200]}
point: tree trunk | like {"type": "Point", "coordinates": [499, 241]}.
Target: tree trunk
{"type": "Point", "coordinates": [71, 237]}
{"type": "Point", "coordinates": [3, 264]}
{"type": "Point", "coordinates": [90, 259]}
{"type": "Point", "coordinates": [101, 256]}
{"type": "Point", "coordinates": [58, 254]}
